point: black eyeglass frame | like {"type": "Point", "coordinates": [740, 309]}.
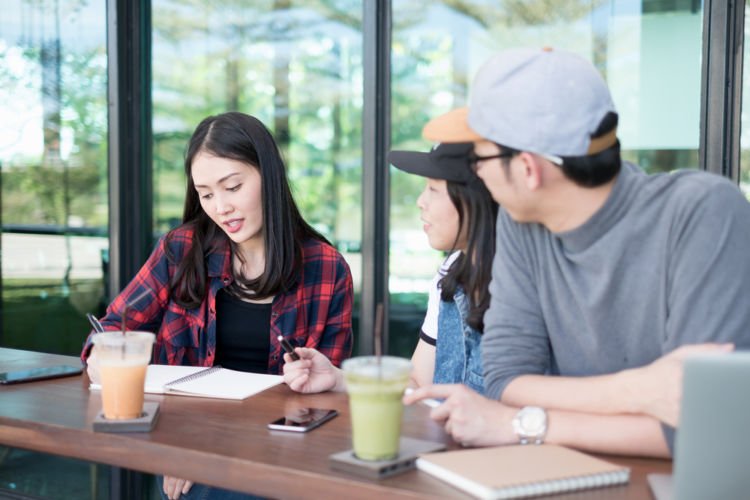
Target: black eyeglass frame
{"type": "Point", "coordinates": [474, 159]}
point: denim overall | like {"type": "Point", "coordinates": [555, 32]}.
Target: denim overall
{"type": "Point", "coordinates": [458, 358]}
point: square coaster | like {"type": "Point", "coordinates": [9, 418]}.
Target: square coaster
{"type": "Point", "coordinates": [409, 450]}
{"type": "Point", "coordinates": [144, 423]}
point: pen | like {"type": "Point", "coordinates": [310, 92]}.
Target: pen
{"type": "Point", "coordinates": [288, 347]}
{"type": "Point", "coordinates": [95, 323]}
{"type": "Point", "coordinates": [432, 403]}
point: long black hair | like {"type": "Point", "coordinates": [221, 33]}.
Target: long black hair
{"type": "Point", "coordinates": [472, 269]}
{"type": "Point", "coordinates": [244, 138]}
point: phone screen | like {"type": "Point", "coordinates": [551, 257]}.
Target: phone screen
{"type": "Point", "coordinates": [302, 419]}
{"type": "Point", "coordinates": [41, 373]}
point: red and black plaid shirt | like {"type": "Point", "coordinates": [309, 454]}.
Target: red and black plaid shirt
{"type": "Point", "coordinates": [316, 313]}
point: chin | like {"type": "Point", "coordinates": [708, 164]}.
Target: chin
{"type": "Point", "coordinates": [440, 247]}
{"type": "Point", "coordinates": [242, 238]}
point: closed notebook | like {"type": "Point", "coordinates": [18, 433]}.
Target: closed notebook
{"type": "Point", "coordinates": [214, 382]}
{"type": "Point", "coordinates": [521, 471]}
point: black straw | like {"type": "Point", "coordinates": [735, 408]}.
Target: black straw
{"type": "Point", "coordinates": [130, 303]}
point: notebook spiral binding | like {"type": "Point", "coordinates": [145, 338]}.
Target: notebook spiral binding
{"type": "Point", "coordinates": [193, 376]}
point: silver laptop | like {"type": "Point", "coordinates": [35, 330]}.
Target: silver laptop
{"type": "Point", "coordinates": [712, 448]}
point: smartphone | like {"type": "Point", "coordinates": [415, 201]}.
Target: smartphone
{"type": "Point", "coordinates": [302, 420]}
{"type": "Point", "coordinates": [41, 373]}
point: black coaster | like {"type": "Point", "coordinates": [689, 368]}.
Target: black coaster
{"type": "Point", "coordinates": [144, 423]}
{"type": "Point", "coordinates": [409, 450]}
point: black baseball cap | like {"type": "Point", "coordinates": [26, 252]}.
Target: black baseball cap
{"type": "Point", "coordinates": [448, 161]}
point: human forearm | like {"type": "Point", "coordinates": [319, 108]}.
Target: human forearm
{"type": "Point", "coordinates": [604, 394]}
{"type": "Point", "coordinates": [635, 435]}
{"type": "Point", "coordinates": [423, 364]}
{"type": "Point", "coordinates": [474, 420]}
{"type": "Point", "coordinates": [603, 414]}
{"type": "Point", "coordinates": [654, 390]}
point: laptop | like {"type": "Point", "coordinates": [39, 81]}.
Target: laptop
{"type": "Point", "coordinates": [712, 446]}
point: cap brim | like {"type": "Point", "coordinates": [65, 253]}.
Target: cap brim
{"type": "Point", "coordinates": [447, 161]}
{"type": "Point", "coordinates": [453, 126]}
{"type": "Point", "coordinates": [412, 162]}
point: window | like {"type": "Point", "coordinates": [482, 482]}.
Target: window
{"type": "Point", "coordinates": [297, 66]}
{"type": "Point", "coordinates": [53, 151]}
{"type": "Point", "coordinates": [53, 159]}
{"type": "Point", "coordinates": [745, 124]}
{"type": "Point", "coordinates": [648, 51]}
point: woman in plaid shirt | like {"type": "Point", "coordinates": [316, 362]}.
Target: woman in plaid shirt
{"type": "Point", "coordinates": [242, 269]}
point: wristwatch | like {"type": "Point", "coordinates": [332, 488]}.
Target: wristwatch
{"type": "Point", "coordinates": [530, 424]}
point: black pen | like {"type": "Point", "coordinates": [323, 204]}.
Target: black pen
{"type": "Point", "coordinates": [288, 347]}
{"type": "Point", "coordinates": [95, 323]}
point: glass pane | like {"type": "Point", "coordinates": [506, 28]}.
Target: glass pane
{"type": "Point", "coordinates": [53, 159]}
{"type": "Point", "coordinates": [297, 66]}
{"type": "Point", "coordinates": [437, 47]}
{"type": "Point", "coordinates": [53, 151]}
{"type": "Point", "coordinates": [745, 119]}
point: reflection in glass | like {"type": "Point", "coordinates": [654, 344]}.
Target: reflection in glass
{"type": "Point", "coordinates": [297, 66]}
{"type": "Point", "coordinates": [437, 47]}
{"type": "Point", "coordinates": [53, 159]}
{"type": "Point", "coordinates": [745, 120]}
{"type": "Point", "coordinates": [53, 151]}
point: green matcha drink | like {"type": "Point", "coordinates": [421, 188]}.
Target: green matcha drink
{"type": "Point", "coordinates": [375, 404]}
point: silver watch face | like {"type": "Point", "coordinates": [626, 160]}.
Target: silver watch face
{"type": "Point", "coordinates": [533, 420]}
{"type": "Point", "coordinates": [530, 424]}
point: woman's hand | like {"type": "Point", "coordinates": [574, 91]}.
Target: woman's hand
{"type": "Point", "coordinates": [313, 372]}
{"type": "Point", "coordinates": [92, 367]}
{"type": "Point", "coordinates": [175, 487]}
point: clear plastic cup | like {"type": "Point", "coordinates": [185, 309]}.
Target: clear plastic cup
{"type": "Point", "coordinates": [375, 403]}
{"type": "Point", "coordinates": [122, 364]}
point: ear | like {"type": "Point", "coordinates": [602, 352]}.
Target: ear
{"type": "Point", "coordinates": [532, 171]}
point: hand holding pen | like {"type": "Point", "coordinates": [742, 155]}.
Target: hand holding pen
{"type": "Point", "coordinates": [431, 402]}
{"type": "Point", "coordinates": [288, 348]}
{"type": "Point", "coordinates": [311, 372]}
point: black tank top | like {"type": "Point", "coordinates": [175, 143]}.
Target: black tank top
{"type": "Point", "coordinates": [243, 332]}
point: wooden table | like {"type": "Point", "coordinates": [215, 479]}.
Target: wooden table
{"type": "Point", "coordinates": [226, 443]}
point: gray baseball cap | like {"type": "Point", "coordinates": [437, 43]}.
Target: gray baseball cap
{"type": "Point", "coordinates": [544, 101]}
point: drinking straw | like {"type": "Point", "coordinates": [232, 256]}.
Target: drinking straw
{"type": "Point", "coordinates": [130, 303]}
{"type": "Point", "coordinates": [379, 337]}
{"type": "Point", "coordinates": [98, 328]}
{"type": "Point", "coordinates": [124, 317]}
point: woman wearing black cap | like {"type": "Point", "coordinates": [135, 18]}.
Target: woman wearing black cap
{"type": "Point", "coordinates": [459, 218]}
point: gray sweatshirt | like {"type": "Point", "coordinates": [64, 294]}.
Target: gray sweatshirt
{"type": "Point", "coordinates": [665, 262]}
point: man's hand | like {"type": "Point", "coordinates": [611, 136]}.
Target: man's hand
{"type": "Point", "coordinates": [175, 487]}
{"type": "Point", "coordinates": [659, 384]}
{"type": "Point", "coordinates": [312, 373]}
{"type": "Point", "coordinates": [470, 418]}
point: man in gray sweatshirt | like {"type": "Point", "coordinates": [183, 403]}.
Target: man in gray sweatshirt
{"type": "Point", "coordinates": [604, 278]}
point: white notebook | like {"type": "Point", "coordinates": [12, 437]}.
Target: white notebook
{"type": "Point", "coordinates": [213, 382]}
{"type": "Point", "coordinates": [521, 471]}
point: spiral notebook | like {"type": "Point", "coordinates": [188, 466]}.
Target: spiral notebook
{"type": "Point", "coordinates": [521, 471]}
{"type": "Point", "coordinates": [213, 382]}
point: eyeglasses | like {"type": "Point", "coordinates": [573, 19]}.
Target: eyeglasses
{"type": "Point", "coordinates": [474, 159]}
